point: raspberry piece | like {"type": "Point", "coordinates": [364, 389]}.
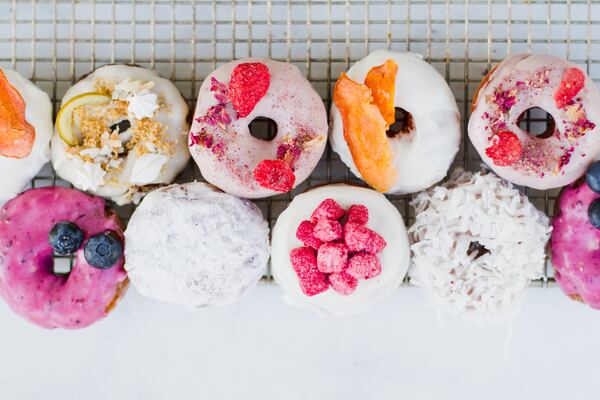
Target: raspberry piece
{"type": "Point", "coordinates": [275, 175]}
{"type": "Point", "coordinates": [328, 209]}
{"type": "Point", "coordinates": [360, 238]}
{"type": "Point", "coordinates": [572, 82]}
{"type": "Point", "coordinates": [328, 230]}
{"type": "Point", "coordinates": [505, 150]}
{"type": "Point", "coordinates": [343, 283]}
{"type": "Point", "coordinates": [304, 261]}
{"type": "Point", "coordinates": [332, 257]}
{"type": "Point", "coordinates": [358, 214]}
{"type": "Point", "coordinates": [363, 266]}
{"type": "Point", "coordinates": [248, 84]}
{"type": "Point", "coordinates": [305, 234]}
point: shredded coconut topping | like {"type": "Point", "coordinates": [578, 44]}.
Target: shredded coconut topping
{"type": "Point", "coordinates": [477, 243]}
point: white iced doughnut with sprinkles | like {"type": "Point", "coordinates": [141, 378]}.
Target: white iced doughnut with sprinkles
{"type": "Point", "coordinates": [121, 131]}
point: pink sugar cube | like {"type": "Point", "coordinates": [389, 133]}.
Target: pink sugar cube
{"type": "Point", "coordinates": [328, 209]}
{"type": "Point", "coordinates": [304, 261]}
{"type": "Point", "coordinates": [332, 257]}
{"type": "Point", "coordinates": [328, 230]}
{"type": "Point", "coordinates": [343, 283]}
{"type": "Point", "coordinates": [305, 234]}
{"type": "Point", "coordinates": [360, 238]}
{"type": "Point", "coordinates": [358, 214]}
{"type": "Point", "coordinates": [363, 266]}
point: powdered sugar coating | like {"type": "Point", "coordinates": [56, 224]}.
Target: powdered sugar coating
{"type": "Point", "coordinates": [191, 245]}
{"type": "Point", "coordinates": [459, 276]}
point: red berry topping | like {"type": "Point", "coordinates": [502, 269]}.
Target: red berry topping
{"type": "Point", "coordinates": [572, 82]}
{"type": "Point", "coordinates": [328, 209]}
{"type": "Point", "coordinates": [343, 283]}
{"type": "Point", "coordinates": [328, 230]}
{"type": "Point", "coordinates": [505, 150]}
{"type": "Point", "coordinates": [332, 257]}
{"type": "Point", "coordinates": [312, 281]}
{"type": "Point", "coordinates": [358, 214]}
{"type": "Point", "coordinates": [360, 238]}
{"type": "Point", "coordinates": [275, 175]}
{"type": "Point", "coordinates": [305, 234]}
{"type": "Point", "coordinates": [364, 266]}
{"type": "Point", "coordinates": [248, 84]}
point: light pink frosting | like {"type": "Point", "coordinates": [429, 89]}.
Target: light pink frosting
{"type": "Point", "coordinates": [27, 283]}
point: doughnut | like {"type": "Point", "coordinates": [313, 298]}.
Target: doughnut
{"type": "Point", "coordinates": [362, 122]}
{"type": "Point", "coordinates": [559, 87]}
{"type": "Point", "coordinates": [195, 246]}
{"type": "Point", "coordinates": [220, 141]}
{"type": "Point", "coordinates": [25, 132]}
{"type": "Point", "coordinates": [339, 249]}
{"type": "Point", "coordinates": [477, 242]}
{"type": "Point", "coordinates": [40, 222]}
{"type": "Point", "coordinates": [120, 132]}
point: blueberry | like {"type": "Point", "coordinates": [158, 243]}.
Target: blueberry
{"type": "Point", "coordinates": [65, 238]}
{"type": "Point", "coordinates": [594, 214]}
{"type": "Point", "coordinates": [103, 250]}
{"type": "Point", "coordinates": [592, 177]}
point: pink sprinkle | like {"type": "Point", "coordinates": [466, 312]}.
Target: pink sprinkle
{"type": "Point", "coordinates": [358, 214]}
{"type": "Point", "coordinates": [360, 238]}
{"type": "Point", "coordinates": [332, 257]}
{"type": "Point", "coordinates": [305, 234]}
{"type": "Point", "coordinates": [312, 281]}
{"type": "Point", "coordinates": [220, 90]}
{"type": "Point", "coordinates": [364, 266]}
{"type": "Point", "coordinates": [328, 209]}
{"type": "Point", "coordinates": [328, 230]}
{"type": "Point", "coordinates": [343, 283]}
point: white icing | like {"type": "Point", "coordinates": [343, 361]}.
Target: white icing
{"type": "Point", "coordinates": [147, 168]}
{"type": "Point", "coordinates": [485, 209]}
{"type": "Point", "coordinates": [384, 218]}
{"type": "Point", "coordinates": [422, 157]}
{"type": "Point", "coordinates": [89, 177]}
{"type": "Point", "coordinates": [191, 245]}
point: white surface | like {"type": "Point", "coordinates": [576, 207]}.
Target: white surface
{"type": "Point", "coordinates": [149, 350]}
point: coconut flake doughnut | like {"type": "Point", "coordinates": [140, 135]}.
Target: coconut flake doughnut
{"type": "Point", "coordinates": [477, 244]}
{"type": "Point", "coordinates": [27, 282]}
{"type": "Point", "coordinates": [339, 249]}
{"type": "Point", "coordinates": [195, 246]}
{"type": "Point", "coordinates": [121, 131]}
{"type": "Point", "coordinates": [564, 91]}
{"type": "Point", "coordinates": [25, 132]}
{"type": "Point", "coordinates": [369, 92]}
{"type": "Point", "coordinates": [230, 98]}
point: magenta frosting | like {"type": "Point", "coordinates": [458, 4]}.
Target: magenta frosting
{"type": "Point", "coordinates": [576, 246]}
{"type": "Point", "coordinates": [27, 283]}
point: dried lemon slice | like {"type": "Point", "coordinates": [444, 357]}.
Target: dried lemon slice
{"type": "Point", "coordinates": [64, 119]}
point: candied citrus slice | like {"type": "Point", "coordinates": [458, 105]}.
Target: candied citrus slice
{"type": "Point", "coordinates": [16, 134]}
{"type": "Point", "coordinates": [364, 131]}
{"type": "Point", "coordinates": [64, 119]}
{"type": "Point", "coordinates": [382, 82]}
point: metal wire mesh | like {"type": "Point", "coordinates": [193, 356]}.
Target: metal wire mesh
{"type": "Point", "coordinates": [54, 42]}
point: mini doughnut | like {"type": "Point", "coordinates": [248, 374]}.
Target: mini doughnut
{"type": "Point", "coordinates": [27, 281]}
{"type": "Point", "coordinates": [339, 249]}
{"type": "Point", "coordinates": [121, 131]}
{"type": "Point", "coordinates": [220, 141]}
{"type": "Point", "coordinates": [25, 131]}
{"type": "Point", "coordinates": [362, 133]}
{"type": "Point", "coordinates": [564, 91]}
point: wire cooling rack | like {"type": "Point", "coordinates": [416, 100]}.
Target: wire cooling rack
{"type": "Point", "coordinates": [55, 42]}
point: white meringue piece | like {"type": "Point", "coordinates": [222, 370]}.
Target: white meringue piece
{"type": "Point", "coordinates": [142, 105]}
{"type": "Point", "coordinates": [90, 176]}
{"type": "Point", "coordinates": [147, 168]}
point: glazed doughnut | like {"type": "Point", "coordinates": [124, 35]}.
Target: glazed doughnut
{"type": "Point", "coordinates": [339, 249]}
{"type": "Point", "coordinates": [477, 244]}
{"type": "Point", "coordinates": [368, 94]}
{"type": "Point", "coordinates": [27, 281]}
{"type": "Point", "coordinates": [195, 246]}
{"type": "Point", "coordinates": [231, 158]}
{"type": "Point", "coordinates": [564, 91]}
{"type": "Point", "coordinates": [25, 131]}
{"type": "Point", "coordinates": [121, 131]}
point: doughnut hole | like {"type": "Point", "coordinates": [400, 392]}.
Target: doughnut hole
{"type": "Point", "coordinates": [62, 265]}
{"type": "Point", "coordinates": [263, 128]}
{"type": "Point", "coordinates": [537, 122]}
{"type": "Point", "coordinates": [403, 123]}
{"type": "Point", "coordinates": [477, 248]}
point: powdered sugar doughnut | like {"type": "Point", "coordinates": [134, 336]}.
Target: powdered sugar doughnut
{"type": "Point", "coordinates": [352, 246]}
{"type": "Point", "coordinates": [220, 141]}
{"type": "Point", "coordinates": [559, 87]}
{"type": "Point", "coordinates": [191, 245]}
{"type": "Point", "coordinates": [477, 243]}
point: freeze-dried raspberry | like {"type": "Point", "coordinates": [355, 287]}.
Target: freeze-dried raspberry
{"type": "Point", "coordinates": [505, 150]}
{"type": "Point", "coordinates": [363, 266]}
{"type": "Point", "coordinates": [572, 82]}
{"type": "Point", "coordinates": [332, 257]}
{"type": "Point", "coordinates": [305, 234]}
{"type": "Point", "coordinates": [358, 214]}
{"type": "Point", "coordinates": [360, 238]}
{"type": "Point", "coordinates": [343, 283]}
{"type": "Point", "coordinates": [304, 261]}
{"type": "Point", "coordinates": [328, 230]}
{"type": "Point", "coordinates": [328, 209]}
{"type": "Point", "coordinates": [248, 84]}
{"type": "Point", "coordinates": [275, 175]}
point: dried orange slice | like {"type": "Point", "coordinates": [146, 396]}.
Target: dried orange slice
{"type": "Point", "coordinates": [382, 82]}
{"type": "Point", "coordinates": [16, 134]}
{"type": "Point", "coordinates": [364, 131]}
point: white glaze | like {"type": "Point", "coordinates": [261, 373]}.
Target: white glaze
{"type": "Point", "coordinates": [422, 157]}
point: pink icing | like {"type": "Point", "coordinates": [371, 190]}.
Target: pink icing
{"type": "Point", "coordinates": [27, 283]}
{"type": "Point", "coordinates": [576, 246]}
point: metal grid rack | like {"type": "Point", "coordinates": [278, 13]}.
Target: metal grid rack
{"type": "Point", "coordinates": [54, 42]}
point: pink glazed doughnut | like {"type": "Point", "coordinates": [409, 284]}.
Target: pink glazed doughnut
{"type": "Point", "coordinates": [27, 282]}
{"type": "Point", "coordinates": [220, 141]}
{"type": "Point", "coordinates": [576, 245]}
{"type": "Point", "coordinates": [559, 87]}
